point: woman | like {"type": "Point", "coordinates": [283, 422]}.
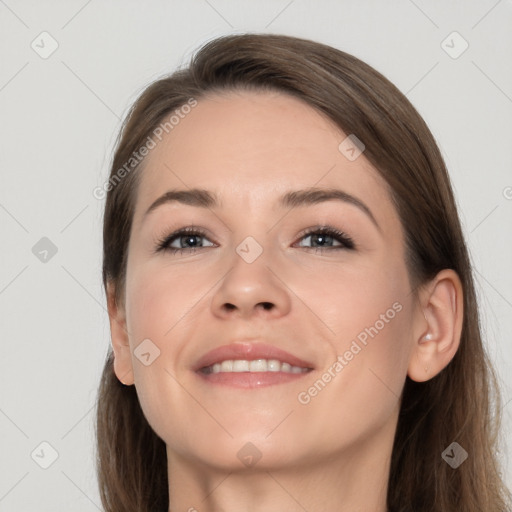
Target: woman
{"type": "Point", "coordinates": [293, 316]}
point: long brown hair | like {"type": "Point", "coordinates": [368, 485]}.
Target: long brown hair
{"type": "Point", "coordinates": [461, 404]}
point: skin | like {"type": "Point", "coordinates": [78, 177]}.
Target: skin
{"type": "Point", "coordinates": [250, 148]}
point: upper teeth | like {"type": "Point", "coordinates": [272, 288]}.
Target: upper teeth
{"type": "Point", "coordinates": [257, 365]}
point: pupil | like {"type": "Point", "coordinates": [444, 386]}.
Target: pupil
{"type": "Point", "coordinates": [190, 240]}
{"type": "Point", "coordinates": [321, 239]}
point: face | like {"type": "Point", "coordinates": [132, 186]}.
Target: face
{"type": "Point", "coordinates": [269, 312]}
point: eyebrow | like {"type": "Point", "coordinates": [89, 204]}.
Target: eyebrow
{"type": "Point", "coordinates": [294, 199]}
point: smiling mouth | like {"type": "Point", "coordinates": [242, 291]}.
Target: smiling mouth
{"type": "Point", "coordinates": [253, 366]}
{"type": "Point", "coordinates": [251, 374]}
{"type": "Point", "coordinates": [250, 365]}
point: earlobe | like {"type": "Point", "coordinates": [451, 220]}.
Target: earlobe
{"type": "Point", "coordinates": [120, 341]}
{"type": "Point", "coordinates": [439, 324]}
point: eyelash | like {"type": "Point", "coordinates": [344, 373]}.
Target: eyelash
{"type": "Point", "coordinates": [346, 241]}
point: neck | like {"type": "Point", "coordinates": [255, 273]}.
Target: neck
{"type": "Point", "coordinates": [353, 480]}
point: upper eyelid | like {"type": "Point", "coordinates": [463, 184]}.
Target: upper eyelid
{"type": "Point", "coordinates": [203, 232]}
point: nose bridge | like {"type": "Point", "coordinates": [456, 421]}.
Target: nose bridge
{"type": "Point", "coordinates": [250, 286]}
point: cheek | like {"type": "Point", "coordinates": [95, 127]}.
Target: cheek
{"type": "Point", "coordinates": [368, 311]}
{"type": "Point", "coordinates": [374, 331]}
{"type": "Point", "coordinates": [346, 299]}
{"type": "Point", "coordinates": [157, 304]}
{"type": "Point", "coordinates": [158, 298]}
{"type": "Point", "coordinates": [360, 386]}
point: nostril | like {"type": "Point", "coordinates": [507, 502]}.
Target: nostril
{"type": "Point", "coordinates": [228, 306]}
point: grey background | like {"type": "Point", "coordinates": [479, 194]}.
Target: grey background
{"type": "Point", "coordinates": [59, 118]}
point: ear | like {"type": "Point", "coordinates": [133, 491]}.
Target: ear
{"type": "Point", "coordinates": [120, 343]}
{"type": "Point", "coordinates": [438, 326]}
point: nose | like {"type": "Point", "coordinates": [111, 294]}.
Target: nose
{"type": "Point", "coordinates": [251, 290]}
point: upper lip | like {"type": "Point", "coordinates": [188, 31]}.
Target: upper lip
{"type": "Point", "coordinates": [250, 352]}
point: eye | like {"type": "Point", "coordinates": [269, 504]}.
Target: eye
{"type": "Point", "coordinates": [326, 237]}
{"type": "Point", "coordinates": [186, 239]}
{"type": "Point", "coordinates": [319, 238]}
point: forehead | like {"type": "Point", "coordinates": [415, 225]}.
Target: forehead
{"type": "Point", "coordinates": [251, 147]}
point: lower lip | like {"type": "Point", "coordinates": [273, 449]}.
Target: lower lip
{"type": "Point", "coordinates": [251, 380]}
